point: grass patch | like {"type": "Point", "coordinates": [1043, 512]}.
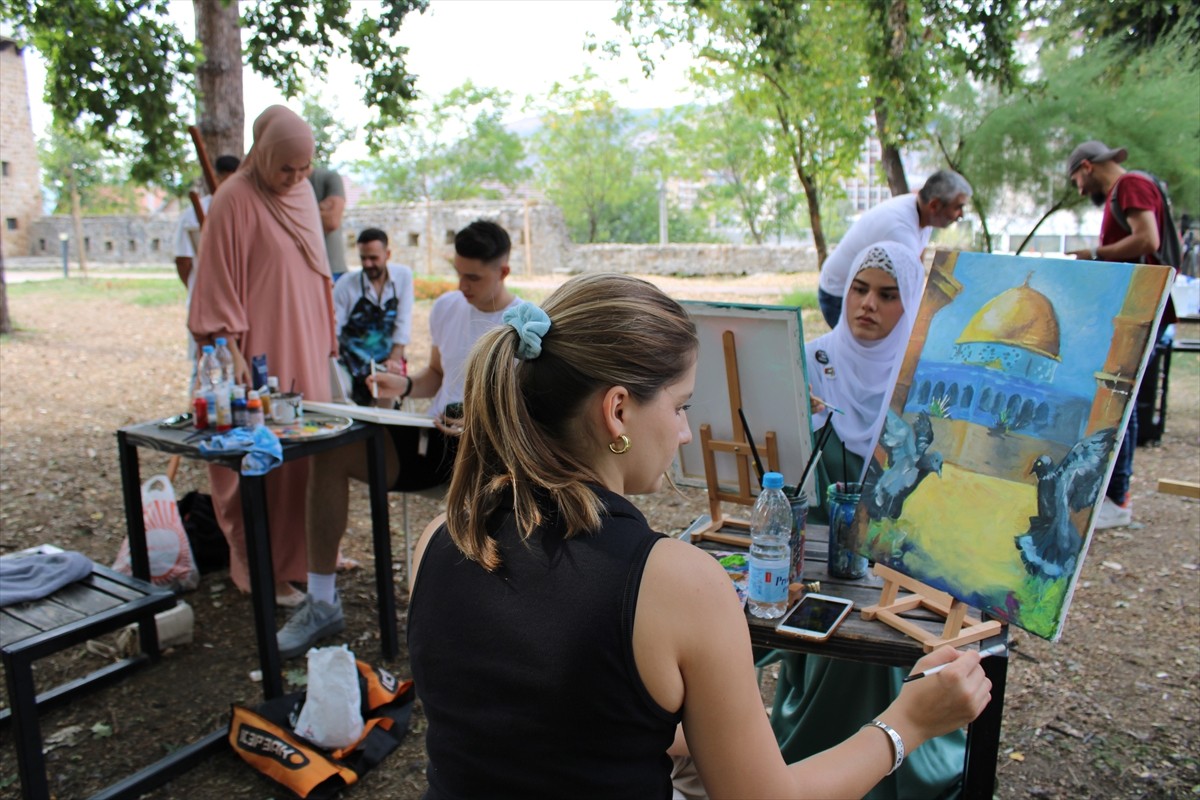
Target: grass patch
{"type": "Point", "coordinates": [136, 291]}
{"type": "Point", "coordinates": [804, 298]}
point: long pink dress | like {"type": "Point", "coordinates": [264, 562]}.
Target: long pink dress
{"type": "Point", "coordinates": [257, 282]}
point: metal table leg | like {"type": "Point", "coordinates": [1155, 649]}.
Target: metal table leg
{"type": "Point", "coordinates": [381, 534]}
{"type": "Point", "coordinates": [252, 489]}
{"type": "Point", "coordinates": [983, 735]}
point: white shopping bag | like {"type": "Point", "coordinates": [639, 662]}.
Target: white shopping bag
{"type": "Point", "coordinates": [171, 560]}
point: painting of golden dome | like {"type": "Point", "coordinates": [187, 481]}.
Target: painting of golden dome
{"type": "Point", "coordinates": [1021, 317]}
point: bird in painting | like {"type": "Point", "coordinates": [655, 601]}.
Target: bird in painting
{"type": "Point", "coordinates": [909, 458]}
{"type": "Point", "coordinates": [1050, 547]}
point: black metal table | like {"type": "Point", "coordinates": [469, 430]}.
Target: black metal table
{"type": "Point", "coordinates": [875, 642]}
{"type": "Point", "coordinates": [252, 488]}
{"type": "Point", "coordinates": [153, 436]}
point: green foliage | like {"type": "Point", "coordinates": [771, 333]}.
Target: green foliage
{"type": "Point", "coordinates": [592, 168]}
{"type": "Point", "coordinates": [68, 155]}
{"type": "Point", "coordinates": [119, 70]}
{"type": "Point", "coordinates": [328, 130]}
{"type": "Point", "coordinates": [1133, 26]}
{"type": "Point", "coordinates": [746, 180]}
{"type": "Point", "coordinates": [457, 149]}
{"type": "Point", "coordinates": [290, 37]}
{"type": "Point", "coordinates": [123, 71]}
{"type": "Point", "coordinates": [1019, 142]}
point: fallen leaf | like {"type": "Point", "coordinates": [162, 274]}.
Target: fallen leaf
{"type": "Point", "coordinates": [1114, 566]}
{"type": "Point", "coordinates": [1017, 756]}
{"type": "Point", "coordinates": [102, 730]}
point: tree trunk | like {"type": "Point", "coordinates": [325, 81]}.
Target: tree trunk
{"type": "Point", "coordinates": [77, 220]}
{"type": "Point", "coordinates": [219, 78]}
{"type": "Point", "coordinates": [889, 157]}
{"type": "Point", "coordinates": [814, 215]}
{"type": "Point", "coordinates": [811, 196]}
{"type": "Point", "coordinates": [896, 27]}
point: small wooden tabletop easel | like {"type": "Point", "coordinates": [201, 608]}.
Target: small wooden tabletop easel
{"type": "Point", "coordinates": [721, 528]}
{"type": "Point", "coordinates": [960, 629]}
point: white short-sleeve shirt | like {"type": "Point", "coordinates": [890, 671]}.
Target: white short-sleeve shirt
{"type": "Point", "coordinates": [894, 220]}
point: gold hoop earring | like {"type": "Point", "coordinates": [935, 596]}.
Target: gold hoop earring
{"type": "Point", "coordinates": [624, 445]}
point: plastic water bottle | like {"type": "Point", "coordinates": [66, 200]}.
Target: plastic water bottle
{"type": "Point", "coordinates": [770, 554]}
{"type": "Point", "coordinates": [225, 359]}
{"type": "Point", "coordinates": [210, 369]}
{"type": "Point", "coordinates": [215, 392]}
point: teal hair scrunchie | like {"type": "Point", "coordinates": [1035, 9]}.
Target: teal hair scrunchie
{"type": "Point", "coordinates": [531, 324]}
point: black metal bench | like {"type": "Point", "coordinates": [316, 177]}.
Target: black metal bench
{"type": "Point", "coordinates": [101, 603]}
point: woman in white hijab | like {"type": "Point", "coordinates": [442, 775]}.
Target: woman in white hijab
{"type": "Point", "coordinates": [853, 368]}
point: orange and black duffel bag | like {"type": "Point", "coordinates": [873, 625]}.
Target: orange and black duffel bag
{"type": "Point", "coordinates": [265, 739]}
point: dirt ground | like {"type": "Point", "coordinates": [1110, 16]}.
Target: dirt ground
{"type": "Point", "coordinates": [1110, 711]}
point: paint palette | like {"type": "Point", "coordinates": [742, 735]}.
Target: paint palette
{"type": "Point", "coordinates": [314, 425]}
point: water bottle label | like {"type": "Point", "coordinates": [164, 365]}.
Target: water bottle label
{"type": "Point", "coordinates": [768, 580]}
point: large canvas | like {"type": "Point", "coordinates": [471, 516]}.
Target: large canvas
{"type": "Point", "coordinates": [770, 357]}
{"type": "Point", "coordinates": [1004, 425]}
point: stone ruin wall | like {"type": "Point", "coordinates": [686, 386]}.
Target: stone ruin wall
{"type": "Point", "coordinates": [422, 237]}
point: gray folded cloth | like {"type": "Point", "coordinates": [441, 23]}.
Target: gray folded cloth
{"type": "Point", "coordinates": [31, 577]}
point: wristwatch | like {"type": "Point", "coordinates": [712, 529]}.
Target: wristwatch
{"type": "Point", "coordinates": [897, 742]}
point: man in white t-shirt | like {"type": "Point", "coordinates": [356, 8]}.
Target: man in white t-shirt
{"type": "Point", "coordinates": [373, 309]}
{"type": "Point", "coordinates": [416, 458]}
{"type": "Point", "coordinates": [189, 227]}
{"type": "Point", "coordinates": [907, 218]}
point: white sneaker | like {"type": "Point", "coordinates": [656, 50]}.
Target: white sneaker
{"type": "Point", "coordinates": [1112, 515]}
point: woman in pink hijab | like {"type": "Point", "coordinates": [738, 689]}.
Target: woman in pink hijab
{"type": "Point", "coordinates": [263, 282]}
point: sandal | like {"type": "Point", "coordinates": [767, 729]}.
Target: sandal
{"type": "Point", "coordinates": [290, 600]}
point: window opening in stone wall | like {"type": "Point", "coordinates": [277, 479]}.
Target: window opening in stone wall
{"type": "Point", "coordinates": [132, 246]}
{"type": "Point", "coordinates": [10, 223]}
{"type": "Point", "coordinates": [449, 237]}
{"type": "Point", "coordinates": [42, 245]}
{"type": "Point", "coordinates": [108, 245]}
{"type": "Point", "coordinates": [521, 237]}
{"type": "Point", "coordinates": [414, 239]}
{"type": "Point", "coordinates": [154, 245]}
{"type": "Point", "coordinates": [4, 168]}
{"type": "Point", "coordinates": [87, 244]}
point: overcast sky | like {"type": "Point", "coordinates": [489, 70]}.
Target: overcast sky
{"type": "Point", "coordinates": [522, 46]}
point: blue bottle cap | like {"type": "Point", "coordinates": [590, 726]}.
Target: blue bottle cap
{"type": "Point", "coordinates": [220, 340]}
{"type": "Point", "coordinates": [208, 348]}
{"type": "Point", "coordinates": [772, 480]}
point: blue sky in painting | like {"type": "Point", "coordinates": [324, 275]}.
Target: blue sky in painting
{"type": "Point", "coordinates": [1085, 294]}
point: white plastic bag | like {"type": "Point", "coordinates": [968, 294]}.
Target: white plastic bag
{"type": "Point", "coordinates": [332, 712]}
{"type": "Point", "coordinates": [171, 560]}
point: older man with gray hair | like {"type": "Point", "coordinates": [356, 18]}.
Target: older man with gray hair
{"type": "Point", "coordinates": [907, 218]}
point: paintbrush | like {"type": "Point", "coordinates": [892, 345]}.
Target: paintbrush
{"type": "Point", "coordinates": [753, 450]}
{"type": "Point", "coordinates": [994, 650]}
{"type": "Point", "coordinates": [826, 429]}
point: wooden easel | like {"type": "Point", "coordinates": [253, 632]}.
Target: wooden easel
{"type": "Point", "coordinates": [721, 528]}
{"type": "Point", "coordinates": [210, 179]}
{"type": "Point", "coordinates": [960, 629]}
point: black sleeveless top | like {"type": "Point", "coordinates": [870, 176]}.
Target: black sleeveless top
{"type": "Point", "coordinates": [527, 675]}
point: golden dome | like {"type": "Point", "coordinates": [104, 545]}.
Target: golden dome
{"type": "Point", "coordinates": [1021, 317]}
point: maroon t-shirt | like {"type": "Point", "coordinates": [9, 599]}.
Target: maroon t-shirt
{"type": "Point", "coordinates": [1134, 193]}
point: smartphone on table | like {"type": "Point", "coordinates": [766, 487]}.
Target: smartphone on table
{"type": "Point", "coordinates": [815, 616]}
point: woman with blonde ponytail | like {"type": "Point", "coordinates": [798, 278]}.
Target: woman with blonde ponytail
{"type": "Point", "coordinates": [556, 641]}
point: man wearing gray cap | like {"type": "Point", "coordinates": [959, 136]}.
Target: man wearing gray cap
{"type": "Point", "coordinates": [1096, 170]}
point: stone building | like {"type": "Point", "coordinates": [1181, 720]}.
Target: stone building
{"type": "Point", "coordinates": [421, 236]}
{"type": "Point", "coordinates": [20, 188]}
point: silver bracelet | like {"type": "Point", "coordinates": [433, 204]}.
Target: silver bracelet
{"type": "Point", "coordinates": [897, 742]}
